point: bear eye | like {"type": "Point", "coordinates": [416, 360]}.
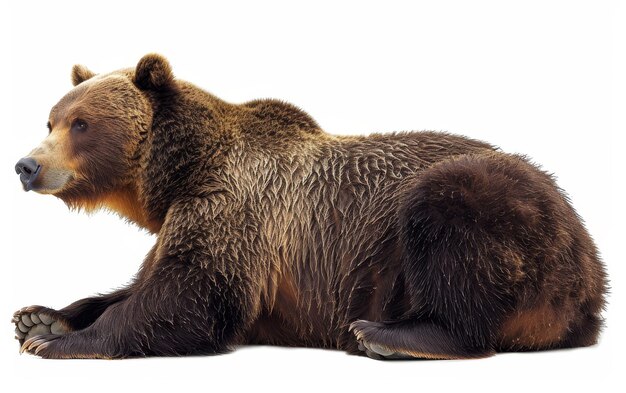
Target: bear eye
{"type": "Point", "coordinates": [79, 125]}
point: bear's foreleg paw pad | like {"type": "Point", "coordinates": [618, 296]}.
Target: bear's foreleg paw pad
{"type": "Point", "coordinates": [36, 321]}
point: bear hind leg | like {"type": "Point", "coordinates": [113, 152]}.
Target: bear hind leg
{"type": "Point", "coordinates": [411, 340]}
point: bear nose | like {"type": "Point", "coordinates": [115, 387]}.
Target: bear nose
{"type": "Point", "coordinates": [28, 169]}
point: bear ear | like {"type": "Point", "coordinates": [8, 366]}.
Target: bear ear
{"type": "Point", "coordinates": [80, 73]}
{"type": "Point", "coordinates": [153, 72]}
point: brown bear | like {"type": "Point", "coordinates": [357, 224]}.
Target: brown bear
{"type": "Point", "coordinates": [271, 231]}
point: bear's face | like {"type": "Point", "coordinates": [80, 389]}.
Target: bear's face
{"type": "Point", "coordinates": [92, 151]}
{"type": "Point", "coordinates": [94, 135]}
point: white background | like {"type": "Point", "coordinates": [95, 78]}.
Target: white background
{"type": "Point", "coordinates": [542, 78]}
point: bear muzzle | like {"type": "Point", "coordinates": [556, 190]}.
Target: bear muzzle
{"type": "Point", "coordinates": [28, 169]}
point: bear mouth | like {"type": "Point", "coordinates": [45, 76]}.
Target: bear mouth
{"type": "Point", "coordinates": [50, 182]}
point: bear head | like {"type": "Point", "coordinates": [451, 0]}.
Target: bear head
{"type": "Point", "coordinates": [91, 156]}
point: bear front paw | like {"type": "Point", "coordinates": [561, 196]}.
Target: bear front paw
{"type": "Point", "coordinates": [38, 321]}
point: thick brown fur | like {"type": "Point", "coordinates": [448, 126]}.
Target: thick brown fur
{"type": "Point", "coordinates": [272, 231]}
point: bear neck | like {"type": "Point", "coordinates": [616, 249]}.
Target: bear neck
{"type": "Point", "coordinates": [126, 203]}
{"type": "Point", "coordinates": [184, 150]}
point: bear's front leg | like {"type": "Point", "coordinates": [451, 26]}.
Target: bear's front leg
{"type": "Point", "coordinates": [38, 320]}
{"type": "Point", "coordinates": [199, 296]}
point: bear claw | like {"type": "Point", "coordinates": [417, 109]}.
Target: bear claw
{"type": "Point", "coordinates": [380, 352]}
{"type": "Point", "coordinates": [371, 349]}
{"type": "Point", "coordinates": [35, 345]}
